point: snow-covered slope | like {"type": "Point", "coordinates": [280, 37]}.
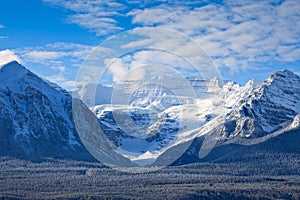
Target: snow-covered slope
{"type": "Point", "coordinates": [266, 107]}
{"type": "Point", "coordinates": [142, 93]}
{"type": "Point", "coordinates": [36, 115]}
{"type": "Point", "coordinates": [36, 118]}
{"type": "Point", "coordinates": [230, 113]}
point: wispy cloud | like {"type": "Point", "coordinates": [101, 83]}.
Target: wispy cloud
{"type": "Point", "coordinates": [7, 56]}
{"type": "Point", "coordinates": [96, 16]}
{"type": "Point", "coordinates": [62, 81]}
{"type": "Point", "coordinates": [101, 26]}
{"type": "Point", "coordinates": [117, 68]}
{"type": "Point", "coordinates": [61, 60]}
{"type": "Point", "coordinates": [55, 54]}
{"type": "Point", "coordinates": [235, 34]}
{"type": "Point", "coordinates": [37, 56]}
{"type": "Point", "coordinates": [3, 36]}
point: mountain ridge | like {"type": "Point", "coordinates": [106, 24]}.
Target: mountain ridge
{"type": "Point", "coordinates": [36, 115]}
{"type": "Point", "coordinates": [36, 118]}
{"type": "Point", "coordinates": [234, 112]}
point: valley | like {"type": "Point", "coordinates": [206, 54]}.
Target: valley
{"type": "Point", "coordinates": [62, 179]}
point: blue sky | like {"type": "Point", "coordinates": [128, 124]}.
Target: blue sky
{"type": "Point", "coordinates": [245, 39]}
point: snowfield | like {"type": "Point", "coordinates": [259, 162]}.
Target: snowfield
{"type": "Point", "coordinates": [155, 120]}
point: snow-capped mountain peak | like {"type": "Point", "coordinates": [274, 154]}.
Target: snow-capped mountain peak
{"type": "Point", "coordinates": [13, 65]}
{"type": "Point", "coordinates": [267, 105]}
{"type": "Point", "coordinates": [284, 75]}
{"type": "Point", "coordinates": [251, 111]}
{"type": "Point", "coordinates": [11, 71]}
{"type": "Point", "coordinates": [34, 114]}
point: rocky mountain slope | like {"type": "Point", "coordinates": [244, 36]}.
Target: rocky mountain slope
{"type": "Point", "coordinates": [252, 113]}
{"type": "Point", "coordinates": [36, 117]}
{"type": "Point", "coordinates": [266, 107]}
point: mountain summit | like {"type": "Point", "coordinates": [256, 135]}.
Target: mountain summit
{"type": "Point", "coordinates": [256, 111]}
{"type": "Point", "coordinates": [265, 107]}
{"type": "Point", "coordinates": [36, 118]}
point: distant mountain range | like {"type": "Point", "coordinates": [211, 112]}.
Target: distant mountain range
{"type": "Point", "coordinates": [36, 118]}
{"type": "Point", "coordinates": [228, 114]}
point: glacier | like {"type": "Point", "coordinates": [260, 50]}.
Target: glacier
{"type": "Point", "coordinates": [155, 125]}
{"type": "Point", "coordinates": [227, 113]}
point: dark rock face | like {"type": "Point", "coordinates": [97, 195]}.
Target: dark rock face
{"type": "Point", "coordinates": [36, 119]}
{"type": "Point", "coordinates": [141, 118]}
{"type": "Point", "coordinates": [253, 111]}
{"type": "Point", "coordinates": [269, 105]}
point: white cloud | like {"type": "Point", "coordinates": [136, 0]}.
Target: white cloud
{"type": "Point", "coordinates": [117, 68]}
{"type": "Point", "coordinates": [61, 69]}
{"type": "Point", "coordinates": [7, 56]}
{"type": "Point", "coordinates": [56, 54]}
{"type": "Point", "coordinates": [44, 55]}
{"type": "Point", "coordinates": [62, 81]}
{"type": "Point", "coordinates": [144, 63]}
{"type": "Point", "coordinates": [288, 54]}
{"type": "Point", "coordinates": [243, 30]}
{"type": "Point", "coordinates": [99, 25]}
{"type": "Point", "coordinates": [235, 34]}
{"type": "Point", "coordinates": [57, 62]}
{"type": "Point", "coordinates": [149, 63]}
{"type": "Point", "coordinates": [2, 36]}
{"type": "Point", "coordinates": [96, 16]}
